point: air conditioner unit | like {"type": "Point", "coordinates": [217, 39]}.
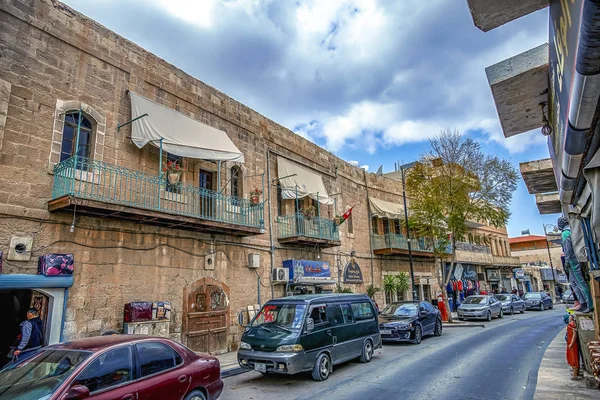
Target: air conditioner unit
{"type": "Point", "coordinates": [280, 275]}
{"type": "Point", "coordinates": [253, 260]}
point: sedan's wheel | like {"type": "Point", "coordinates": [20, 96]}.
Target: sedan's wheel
{"type": "Point", "coordinates": [438, 328]}
{"type": "Point", "coordinates": [489, 316]}
{"type": "Point", "coordinates": [551, 306]}
{"type": "Point", "coordinates": [322, 368]}
{"type": "Point", "coordinates": [512, 311]}
{"type": "Point", "coordinates": [542, 308]}
{"type": "Point", "coordinates": [501, 314]}
{"type": "Point", "coordinates": [367, 352]}
{"type": "Point", "coordinates": [195, 395]}
{"type": "Point", "coordinates": [418, 335]}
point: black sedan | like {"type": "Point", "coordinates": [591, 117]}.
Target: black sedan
{"type": "Point", "coordinates": [409, 321]}
{"type": "Point", "coordinates": [538, 301]}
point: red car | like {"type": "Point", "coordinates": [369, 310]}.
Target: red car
{"type": "Point", "coordinates": [122, 367]}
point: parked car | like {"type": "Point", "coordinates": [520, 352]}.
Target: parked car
{"type": "Point", "coordinates": [538, 300]}
{"type": "Point", "coordinates": [511, 303]}
{"type": "Point", "coordinates": [409, 321]}
{"type": "Point", "coordinates": [480, 307]}
{"type": "Point", "coordinates": [568, 297]}
{"type": "Point", "coordinates": [113, 367]}
{"type": "Point", "coordinates": [310, 333]}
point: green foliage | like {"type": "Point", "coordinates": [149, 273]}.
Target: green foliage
{"type": "Point", "coordinates": [340, 289]}
{"type": "Point", "coordinates": [389, 284]}
{"type": "Point", "coordinates": [372, 291]}
{"type": "Point", "coordinates": [402, 282]}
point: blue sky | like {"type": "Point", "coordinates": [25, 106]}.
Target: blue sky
{"type": "Point", "coordinates": [370, 80]}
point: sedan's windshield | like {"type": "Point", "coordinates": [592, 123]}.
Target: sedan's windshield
{"type": "Point", "coordinates": [401, 309]}
{"type": "Point", "coordinates": [475, 300]}
{"type": "Point", "coordinates": [287, 316]}
{"type": "Point", "coordinates": [529, 296]}
{"type": "Point", "coordinates": [502, 297]}
{"type": "Point", "coordinates": [40, 375]}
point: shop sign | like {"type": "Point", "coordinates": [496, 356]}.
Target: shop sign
{"type": "Point", "coordinates": [306, 268]}
{"type": "Point", "coordinates": [546, 274]}
{"type": "Point", "coordinates": [519, 273]}
{"type": "Point", "coordinates": [564, 32]}
{"type": "Point", "coordinates": [352, 273]}
{"type": "Point", "coordinates": [493, 274]}
{"type": "Point", "coordinates": [562, 278]}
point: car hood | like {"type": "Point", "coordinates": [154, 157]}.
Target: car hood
{"type": "Point", "coordinates": [472, 306]}
{"type": "Point", "coordinates": [263, 340]}
{"type": "Point", "coordinates": [389, 321]}
{"type": "Point", "coordinates": [532, 301]}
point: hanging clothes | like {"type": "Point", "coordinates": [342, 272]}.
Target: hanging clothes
{"type": "Point", "coordinates": [460, 286]}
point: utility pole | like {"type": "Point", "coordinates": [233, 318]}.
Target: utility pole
{"type": "Point", "coordinates": [550, 256]}
{"type": "Point", "coordinates": [415, 296]}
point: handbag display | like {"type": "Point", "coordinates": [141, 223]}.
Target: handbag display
{"type": "Point", "coordinates": [55, 264]}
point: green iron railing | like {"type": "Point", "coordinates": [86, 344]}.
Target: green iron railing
{"type": "Point", "coordinates": [397, 241]}
{"type": "Point", "coordinates": [95, 180]}
{"type": "Point", "coordinates": [299, 225]}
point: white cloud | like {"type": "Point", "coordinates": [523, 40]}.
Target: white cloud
{"type": "Point", "coordinates": [353, 162]}
{"type": "Point", "coordinates": [365, 167]}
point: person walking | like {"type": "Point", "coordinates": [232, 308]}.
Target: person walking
{"type": "Point", "coordinates": [32, 333]}
{"type": "Point", "coordinates": [576, 280]}
{"type": "Point", "coordinates": [573, 347]}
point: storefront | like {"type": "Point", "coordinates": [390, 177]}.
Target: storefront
{"type": "Point", "coordinates": [19, 292]}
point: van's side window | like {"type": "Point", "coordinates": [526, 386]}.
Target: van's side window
{"type": "Point", "coordinates": [335, 314]}
{"type": "Point", "coordinates": [347, 311]}
{"type": "Point", "coordinates": [362, 311]}
{"type": "Point", "coordinates": [319, 315]}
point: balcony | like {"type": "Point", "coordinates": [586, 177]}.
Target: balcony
{"type": "Point", "coordinates": [99, 189]}
{"type": "Point", "coordinates": [298, 229]}
{"type": "Point", "coordinates": [466, 246]}
{"type": "Point", "coordinates": [393, 243]}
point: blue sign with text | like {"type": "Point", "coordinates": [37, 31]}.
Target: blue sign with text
{"type": "Point", "coordinates": [306, 268]}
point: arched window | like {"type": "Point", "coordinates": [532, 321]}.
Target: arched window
{"type": "Point", "coordinates": [69, 137]}
{"type": "Point", "coordinates": [236, 181]}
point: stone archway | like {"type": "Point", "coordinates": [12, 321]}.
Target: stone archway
{"type": "Point", "coordinates": [206, 316]}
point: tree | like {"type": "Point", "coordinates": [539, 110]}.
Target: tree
{"type": "Point", "coordinates": [372, 291]}
{"type": "Point", "coordinates": [453, 183]}
{"type": "Point", "coordinates": [402, 282]}
{"type": "Point", "coordinates": [389, 284]}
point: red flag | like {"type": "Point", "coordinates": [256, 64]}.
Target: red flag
{"type": "Point", "coordinates": [347, 215]}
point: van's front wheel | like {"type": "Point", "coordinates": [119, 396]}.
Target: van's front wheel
{"type": "Point", "coordinates": [367, 352]}
{"type": "Point", "coordinates": [322, 368]}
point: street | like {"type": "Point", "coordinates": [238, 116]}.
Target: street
{"type": "Point", "coordinates": [499, 361]}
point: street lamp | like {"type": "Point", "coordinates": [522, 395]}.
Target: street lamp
{"type": "Point", "coordinates": [403, 169]}
{"type": "Point", "coordinates": [554, 229]}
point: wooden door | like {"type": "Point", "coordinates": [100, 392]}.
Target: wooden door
{"type": "Point", "coordinates": [206, 318]}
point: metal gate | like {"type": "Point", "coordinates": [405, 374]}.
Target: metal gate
{"type": "Point", "coordinates": [206, 318]}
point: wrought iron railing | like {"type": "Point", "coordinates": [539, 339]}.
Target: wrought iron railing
{"type": "Point", "coordinates": [398, 241]}
{"type": "Point", "coordinates": [96, 180]}
{"type": "Point", "coordinates": [466, 246]}
{"type": "Point", "coordinates": [299, 225]}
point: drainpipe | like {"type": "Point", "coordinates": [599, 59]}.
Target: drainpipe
{"type": "Point", "coordinates": [64, 313]}
{"type": "Point", "coordinates": [271, 246]}
{"type": "Point", "coordinates": [370, 228]}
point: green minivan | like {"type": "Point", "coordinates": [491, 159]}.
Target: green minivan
{"type": "Point", "coordinates": [310, 333]}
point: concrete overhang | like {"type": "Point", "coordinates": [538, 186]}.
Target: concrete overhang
{"type": "Point", "coordinates": [519, 84]}
{"type": "Point", "coordinates": [539, 176]}
{"type": "Point", "coordinates": [490, 14]}
{"type": "Point", "coordinates": [548, 203]}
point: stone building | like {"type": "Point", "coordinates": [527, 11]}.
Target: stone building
{"type": "Point", "coordinates": [533, 249]}
{"type": "Point", "coordinates": [81, 173]}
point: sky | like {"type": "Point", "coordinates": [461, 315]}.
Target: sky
{"type": "Point", "coordinates": [370, 81]}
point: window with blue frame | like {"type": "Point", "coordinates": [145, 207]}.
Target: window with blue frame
{"type": "Point", "coordinates": [69, 137]}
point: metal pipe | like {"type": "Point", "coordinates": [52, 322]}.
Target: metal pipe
{"type": "Point", "coordinates": [160, 151]}
{"type": "Point", "coordinates": [410, 257]}
{"type": "Point", "coordinates": [130, 121]}
{"type": "Point", "coordinates": [271, 246]}
{"type": "Point", "coordinates": [371, 228]}
{"type": "Point", "coordinates": [64, 313]}
{"type": "Point", "coordinates": [550, 258]}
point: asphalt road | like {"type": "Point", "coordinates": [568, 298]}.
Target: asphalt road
{"type": "Point", "coordinates": [499, 361]}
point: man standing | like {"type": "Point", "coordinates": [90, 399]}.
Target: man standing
{"type": "Point", "coordinates": [32, 332]}
{"type": "Point", "coordinates": [578, 284]}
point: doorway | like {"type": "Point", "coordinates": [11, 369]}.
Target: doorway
{"type": "Point", "coordinates": [14, 304]}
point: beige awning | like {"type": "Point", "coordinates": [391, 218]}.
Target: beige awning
{"type": "Point", "coordinates": [386, 209]}
{"type": "Point", "coordinates": [181, 135]}
{"type": "Point", "coordinates": [295, 179]}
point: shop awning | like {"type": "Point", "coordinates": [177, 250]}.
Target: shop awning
{"type": "Point", "coordinates": [29, 281]}
{"type": "Point", "coordinates": [295, 179]}
{"type": "Point", "coordinates": [180, 134]}
{"type": "Point", "coordinates": [386, 209]}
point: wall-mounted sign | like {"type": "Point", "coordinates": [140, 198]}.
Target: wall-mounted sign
{"type": "Point", "coordinates": [562, 278]}
{"type": "Point", "coordinates": [519, 273]}
{"type": "Point", "coordinates": [493, 274]}
{"type": "Point", "coordinates": [305, 268]}
{"type": "Point", "coordinates": [352, 273]}
{"type": "Point", "coordinates": [546, 274]}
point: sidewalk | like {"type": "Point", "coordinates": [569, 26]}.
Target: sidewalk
{"type": "Point", "coordinates": [553, 382]}
{"type": "Point", "coordinates": [229, 364]}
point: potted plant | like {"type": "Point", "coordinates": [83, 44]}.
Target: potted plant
{"type": "Point", "coordinates": [309, 212]}
{"type": "Point", "coordinates": [173, 171]}
{"type": "Point", "coordinates": [255, 196]}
